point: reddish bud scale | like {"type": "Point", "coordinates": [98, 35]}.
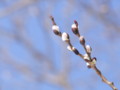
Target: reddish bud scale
{"type": "Point", "coordinates": [75, 51]}
{"type": "Point", "coordinates": [52, 20]}
{"type": "Point", "coordinates": [75, 30]}
{"type": "Point", "coordinates": [76, 23]}
{"type": "Point", "coordinates": [56, 32]}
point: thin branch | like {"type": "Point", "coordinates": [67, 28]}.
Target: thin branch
{"type": "Point", "coordinates": [111, 84]}
{"type": "Point", "coordinates": [16, 6]}
{"type": "Point", "coordinates": [91, 62]}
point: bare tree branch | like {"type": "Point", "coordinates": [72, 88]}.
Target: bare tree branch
{"type": "Point", "coordinates": [91, 62]}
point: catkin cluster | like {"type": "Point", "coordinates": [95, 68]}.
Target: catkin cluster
{"type": "Point", "coordinates": [90, 61]}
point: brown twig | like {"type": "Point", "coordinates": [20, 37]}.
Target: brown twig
{"type": "Point", "coordinates": [111, 84]}
{"type": "Point", "coordinates": [91, 62]}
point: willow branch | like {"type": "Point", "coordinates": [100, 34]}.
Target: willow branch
{"type": "Point", "coordinates": [90, 62]}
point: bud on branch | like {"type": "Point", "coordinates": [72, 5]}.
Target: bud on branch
{"type": "Point", "coordinates": [55, 29]}
{"type": "Point", "coordinates": [65, 37]}
{"type": "Point", "coordinates": [88, 49]}
{"type": "Point", "coordinates": [82, 40]}
{"type": "Point", "coordinates": [75, 51]}
{"type": "Point", "coordinates": [75, 28]}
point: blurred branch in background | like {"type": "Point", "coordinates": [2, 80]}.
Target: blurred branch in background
{"type": "Point", "coordinates": [18, 5]}
{"type": "Point", "coordinates": [30, 57]}
{"type": "Point", "coordinates": [105, 13]}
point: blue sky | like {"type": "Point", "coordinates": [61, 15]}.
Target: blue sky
{"type": "Point", "coordinates": [35, 27]}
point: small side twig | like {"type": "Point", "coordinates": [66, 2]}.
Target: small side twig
{"type": "Point", "coordinates": [90, 62]}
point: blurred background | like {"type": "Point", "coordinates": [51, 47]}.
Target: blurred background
{"type": "Point", "coordinates": [33, 58]}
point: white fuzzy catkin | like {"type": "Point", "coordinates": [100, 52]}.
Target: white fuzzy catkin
{"type": "Point", "coordinates": [86, 57]}
{"type": "Point", "coordinates": [73, 48]}
{"type": "Point", "coordinates": [55, 27]}
{"type": "Point", "coordinates": [81, 38]}
{"type": "Point", "coordinates": [88, 48]}
{"type": "Point", "coordinates": [69, 48]}
{"type": "Point", "coordinates": [94, 61]}
{"type": "Point", "coordinates": [73, 26]}
{"type": "Point", "coordinates": [91, 63]}
{"type": "Point", "coordinates": [65, 36]}
{"type": "Point", "coordinates": [87, 64]}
